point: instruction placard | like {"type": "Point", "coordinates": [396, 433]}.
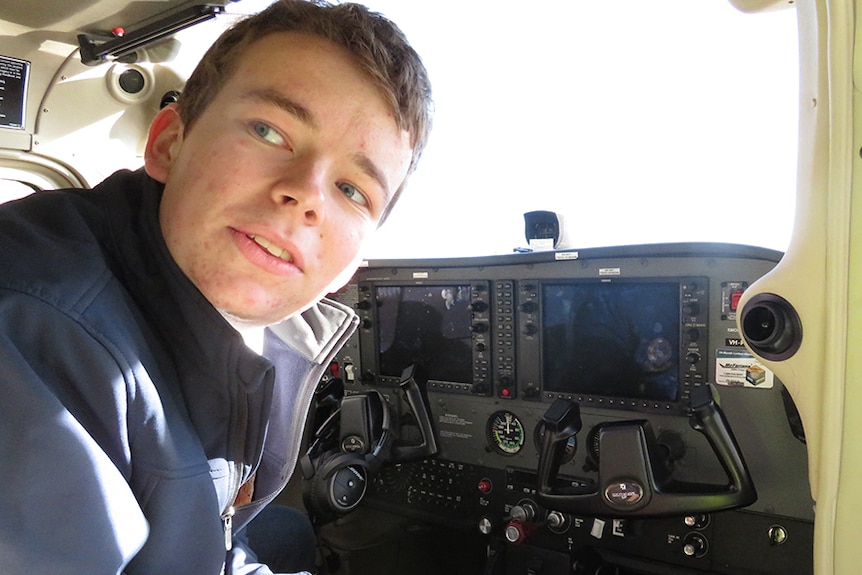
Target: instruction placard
{"type": "Point", "coordinates": [13, 92]}
{"type": "Point", "coordinates": [736, 367]}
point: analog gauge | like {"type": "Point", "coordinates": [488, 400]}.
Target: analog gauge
{"type": "Point", "coordinates": [506, 432]}
{"type": "Point", "coordinates": [569, 448]}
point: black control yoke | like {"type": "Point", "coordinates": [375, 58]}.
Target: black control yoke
{"type": "Point", "coordinates": [417, 399]}
{"type": "Point", "coordinates": [632, 478]}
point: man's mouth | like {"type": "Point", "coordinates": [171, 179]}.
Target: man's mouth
{"type": "Point", "coordinates": [271, 248]}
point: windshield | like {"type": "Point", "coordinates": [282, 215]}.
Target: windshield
{"type": "Point", "coordinates": [636, 122]}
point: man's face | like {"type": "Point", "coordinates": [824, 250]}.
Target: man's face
{"type": "Point", "coordinates": [272, 192]}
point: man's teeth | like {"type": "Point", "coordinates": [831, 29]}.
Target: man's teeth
{"type": "Point", "coordinates": [271, 248]}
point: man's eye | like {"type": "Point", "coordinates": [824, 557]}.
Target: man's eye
{"type": "Point", "coordinates": [267, 133]}
{"type": "Point", "coordinates": [353, 194]}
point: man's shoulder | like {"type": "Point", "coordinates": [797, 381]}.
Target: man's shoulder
{"type": "Point", "coordinates": [48, 248]}
{"type": "Point", "coordinates": [54, 244]}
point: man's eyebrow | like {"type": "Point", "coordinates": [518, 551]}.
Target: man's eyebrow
{"type": "Point", "coordinates": [279, 100]}
{"type": "Point", "coordinates": [371, 170]}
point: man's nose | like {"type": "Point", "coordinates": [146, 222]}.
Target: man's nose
{"type": "Point", "coordinates": [303, 191]}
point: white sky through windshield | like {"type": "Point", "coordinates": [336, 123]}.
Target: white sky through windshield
{"type": "Point", "coordinates": [638, 122]}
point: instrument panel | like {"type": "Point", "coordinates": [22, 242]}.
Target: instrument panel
{"type": "Point", "coordinates": [596, 399]}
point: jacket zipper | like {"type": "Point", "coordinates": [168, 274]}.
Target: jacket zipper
{"type": "Point", "coordinates": [227, 521]}
{"type": "Point", "coordinates": [230, 510]}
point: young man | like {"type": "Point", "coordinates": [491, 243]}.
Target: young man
{"type": "Point", "coordinates": [138, 433]}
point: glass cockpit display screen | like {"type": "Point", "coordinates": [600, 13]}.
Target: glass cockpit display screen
{"type": "Point", "coordinates": [613, 339]}
{"type": "Point", "coordinates": [425, 326]}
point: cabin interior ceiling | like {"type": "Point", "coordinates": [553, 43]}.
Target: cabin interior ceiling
{"type": "Point", "coordinates": [56, 127]}
{"type": "Point", "coordinates": [62, 21]}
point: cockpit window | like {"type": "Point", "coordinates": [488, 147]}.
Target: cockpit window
{"type": "Point", "coordinates": [636, 122]}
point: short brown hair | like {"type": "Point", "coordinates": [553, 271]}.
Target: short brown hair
{"type": "Point", "coordinates": [380, 48]}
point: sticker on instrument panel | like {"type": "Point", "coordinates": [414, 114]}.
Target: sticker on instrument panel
{"type": "Point", "coordinates": [738, 368]}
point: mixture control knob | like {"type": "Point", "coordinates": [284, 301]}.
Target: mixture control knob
{"type": "Point", "coordinates": [517, 532]}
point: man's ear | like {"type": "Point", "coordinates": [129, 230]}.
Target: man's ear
{"type": "Point", "coordinates": [163, 143]}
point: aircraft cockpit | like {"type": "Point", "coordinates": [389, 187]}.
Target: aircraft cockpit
{"type": "Point", "coordinates": [609, 327]}
{"type": "Point", "coordinates": [576, 411]}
